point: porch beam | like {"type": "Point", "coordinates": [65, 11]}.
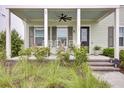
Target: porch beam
{"type": "Point", "coordinates": [45, 27]}
{"type": "Point", "coordinates": [78, 26]}
{"type": "Point", "coordinates": [116, 47]}
{"type": "Point", "coordinates": [8, 34]}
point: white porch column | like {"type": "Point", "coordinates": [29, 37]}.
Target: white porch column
{"type": "Point", "coordinates": [45, 27]}
{"type": "Point", "coordinates": [26, 35]}
{"type": "Point", "coordinates": [78, 26]}
{"type": "Point", "coordinates": [116, 45]}
{"type": "Point", "coordinates": [8, 34]}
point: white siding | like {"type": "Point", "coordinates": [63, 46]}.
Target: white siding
{"type": "Point", "coordinates": [122, 16]}
{"type": "Point", "coordinates": [99, 32]}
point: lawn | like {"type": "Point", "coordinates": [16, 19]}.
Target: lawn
{"type": "Point", "coordinates": [25, 74]}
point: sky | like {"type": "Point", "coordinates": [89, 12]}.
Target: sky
{"type": "Point", "coordinates": [16, 22]}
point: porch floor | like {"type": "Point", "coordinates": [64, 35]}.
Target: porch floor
{"type": "Point", "coordinates": [53, 57]}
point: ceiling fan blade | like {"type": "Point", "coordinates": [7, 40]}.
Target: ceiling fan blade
{"type": "Point", "coordinates": [69, 18]}
{"type": "Point", "coordinates": [60, 19]}
{"type": "Point", "coordinates": [64, 19]}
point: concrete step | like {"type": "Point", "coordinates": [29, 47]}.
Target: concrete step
{"type": "Point", "coordinates": [100, 64]}
{"type": "Point", "coordinates": [99, 60]}
{"type": "Point", "coordinates": [104, 68]}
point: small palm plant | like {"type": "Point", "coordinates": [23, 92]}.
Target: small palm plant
{"type": "Point", "coordinates": [96, 50]}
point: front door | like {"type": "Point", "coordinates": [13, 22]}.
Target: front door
{"type": "Point", "coordinates": [62, 36]}
{"type": "Point", "coordinates": [84, 36]}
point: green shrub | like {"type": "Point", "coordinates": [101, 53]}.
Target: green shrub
{"type": "Point", "coordinates": [108, 52]}
{"type": "Point", "coordinates": [80, 55]}
{"type": "Point", "coordinates": [16, 42]}
{"type": "Point", "coordinates": [121, 64]}
{"type": "Point", "coordinates": [121, 55]}
{"type": "Point", "coordinates": [63, 56]}
{"type": "Point", "coordinates": [25, 52]}
{"type": "Point", "coordinates": [40, 53]}
{"type": "Point", "coordinates": [2, 40]}
{"type": "Point", "coordinates": [2, 55]}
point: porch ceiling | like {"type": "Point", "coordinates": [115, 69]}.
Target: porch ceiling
{"type": "Point", "coordinates": [33, 15]}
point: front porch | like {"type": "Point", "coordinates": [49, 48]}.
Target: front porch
{"type": "Point", "coordinates": [54, 57]}
{"type": "Point", "coordinates": [43, 28]}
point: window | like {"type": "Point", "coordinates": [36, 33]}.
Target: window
{"type": "Point", "coordinates": [39, 36]}
{"type": "Point", "coordinates": [121, 36]}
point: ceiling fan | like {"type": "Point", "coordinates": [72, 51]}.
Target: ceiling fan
{"type": "Point", "coordinates": [64, 17]}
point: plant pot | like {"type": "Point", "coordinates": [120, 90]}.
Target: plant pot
{"type": "Point", "coordinates": [96, 52]}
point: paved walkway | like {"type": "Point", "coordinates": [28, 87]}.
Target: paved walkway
{"type": "Point", "coordinates": [115, 79]}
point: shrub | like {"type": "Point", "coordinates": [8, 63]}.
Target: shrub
{"type": "Point", "coordinates": [80, 55]}
{"type": "Point", "coordinates": [40, 53]}
{"type": "Point", "coordinates": [2, 40]}
{"type": "Point", "coordinates": [2, 55]}
{"type": "Point", "coordinates": [16, 42]}
{"type": "Point", "coordinates": [108, 52]}
{"type": "Point", "coordinates": [121, 55]}
{"type": "Point", "coordinates": [121, 64]}
{"type": "Point", "coordinates": [121, 58]}
{"type": "Point", "coordinates": [25, 52]}
{"type": "Point", "coordinates": [63, 56]}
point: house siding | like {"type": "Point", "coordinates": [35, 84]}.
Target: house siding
{"type": "Point", "coordinates": [99, 32]}
{"type": "Point", "coordinates": [121, 20]}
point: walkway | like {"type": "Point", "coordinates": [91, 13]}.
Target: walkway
{"type": "Point", "coordinates": [115, 79]}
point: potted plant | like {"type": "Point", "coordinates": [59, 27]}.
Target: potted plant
{"type": "Point", "coordinates": [96, 50]}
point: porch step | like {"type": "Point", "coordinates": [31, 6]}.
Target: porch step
{"type": "Point", "coordinates": [100, 64]}
{"type": "Point", "coordinates": [104, 68]}
{"type": "Point", "coordinates": [99, 60]}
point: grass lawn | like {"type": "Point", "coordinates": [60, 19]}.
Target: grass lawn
{"type": "Point", "coordinates": [49, 75]}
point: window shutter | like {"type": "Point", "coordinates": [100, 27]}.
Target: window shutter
{"type": "Point", "coordinates": [54, 33]}
{"type": "Point", "coordinates": [110, 36]}
{"type": "Point", "coordinates": [70, 33]}
{"type": "Point", "coordinates": [31, 36]}
{"type": "Point", "coordinates": [48, 33]}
